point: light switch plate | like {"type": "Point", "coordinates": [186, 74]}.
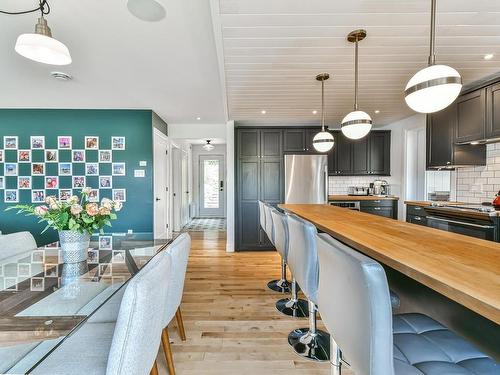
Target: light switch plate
{"type": "Point", "coordinates": [139, 173]}
{"type": "Point", "coordinates": [143, 163]}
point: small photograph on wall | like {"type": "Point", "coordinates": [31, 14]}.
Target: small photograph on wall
{"type": "Point", "coordinates": [24, 182]}
{"type": "Point", "coordinates": [93, 256]}
{"type": "Point", "coordinates": [64, 142]}
{"type": "Point", "coordinates": [65, 194]}
{"type": "Point", "coordinates": [119, 195]}
{"type": "Point", "coordinates": [51, 182]}
{"type": "Point", "coordinates": [1, 156]}
{"type": "Point", "coordinates": [24, 156]}
{"type": "Point", "coordinates": [37, 196]}
{"type": "Point", "coordinates": [105, 182]}
{"type": "Point", "coordinates": [105, 156]}
{"type": "Point", "coordinates": [92, 169]}
{"type": "Point", "coordinates": [105, 242]}
{"type": "Point", "coordinates": [38, 169]}
{"type": "Point", "coordinates": [37, 142]}
{"type": "Point", "coordinates": [78, 182]}
{"type": "Point", "coordinates": [118, 143]}
{"type": "Point", "coordinates": [10, 142]}
{"type": "Point", "coordinates": [78, 156]}
{"type": "Point", "coordinates": [118, 169]}
{"type": "Point", "coordinates": [51, 156]}
{"type": "Point", "coordinates": [11, 196]}
{"type": "Point", "coordinates": [37, 284]}
{"type": "Point", "coordinates": [10, 169]}
{"type": "Point", "coordinates": [65, 169]}
{"type": "Point", "coordinates": [94, 196]}
{"type": "Point", "coordinates": [2, 182]}
{"type": "Point", "coordinates": [91, 143]}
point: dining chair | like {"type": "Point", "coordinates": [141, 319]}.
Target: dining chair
{"type": "Point", "coordinates": [16, 243]}
{"type": "Point", "coordinates": [130, 345]}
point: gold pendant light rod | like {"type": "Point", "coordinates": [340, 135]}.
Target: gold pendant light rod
{"type": "Point", "coordinates": [432, 55]}
{"type": "Point", "coordinates": [355, 37]}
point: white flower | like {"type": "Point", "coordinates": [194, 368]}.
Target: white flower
{"type": "Point", "coordinates": [73, 200]}
{"type": "Point", "coordinates": [50, 200]}
{"type": "Point", "coordinates": [86, 190]}
{"type": "Point", "coordinates": [41, 210]}
{"type": "Point", "coordinates": [117, 205]}
{"type": "Point", "coordinates": [107, 203]}
{"type": "Point", "coordinates": [76, 209]}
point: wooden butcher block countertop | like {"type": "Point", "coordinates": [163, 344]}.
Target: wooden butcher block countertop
{"type": "Point", "coordinates": [359, 198]}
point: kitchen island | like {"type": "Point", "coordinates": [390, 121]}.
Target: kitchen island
{"type": "Point", "coordinates": [386, 206]}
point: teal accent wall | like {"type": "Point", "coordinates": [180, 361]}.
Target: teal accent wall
{"type": "Point", "coordinates": [135, 125]}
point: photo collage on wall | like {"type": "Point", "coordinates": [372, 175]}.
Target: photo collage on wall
{"type": "Point", "coordinates": [30, 173]}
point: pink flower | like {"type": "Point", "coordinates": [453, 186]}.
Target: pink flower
{"type": "Point", "coordinates": [76, 209]}
{"type": "Point", "coordinates": [107, 203]}
{"type": "Point", "coordinates": [41, 210]}
{"type": "Point", "coordinates": [92, 209]}
{"type": "Point", "coordinates": [104, 211]}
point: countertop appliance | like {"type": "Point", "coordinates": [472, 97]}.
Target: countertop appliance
{"type": "Point", "coordinates": [306, 179]}
{"type": "Point", "coordinates": [358, 190]}
{"type": "Point", "coordinates": [351, 205]}
{"type": "Point", "coordinates": [381, 188]}
{"type": "Point", "coordinates": [475, 220]}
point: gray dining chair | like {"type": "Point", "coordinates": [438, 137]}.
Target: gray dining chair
{"type": "Point", "coordinates": [16, 243]}
{"type": "Point", "coordinates": [130, 345]}
{"type": "Point", "coordinates": [355, 305]}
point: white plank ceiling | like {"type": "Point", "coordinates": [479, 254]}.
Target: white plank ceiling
{"type": "Point", "coordinates": [273, 49]}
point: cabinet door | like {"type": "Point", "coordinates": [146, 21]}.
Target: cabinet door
{"type": "Point", "coordinates": [493, 111]}
{"type": "Point", "coordinates": [310, 133]}
{"type": "Point", "coordinates": [439, 135]}
{"type": "Point", "coordinates": [343, 155]}
{"type": "Point", "coordinates": [294, 140]}
{"type": "Point", "coordinates": [271, 180]}
{"type": "Point", "coordinates": [248, 142]}
{"type": "Point", "coordinates": [379, 211]}
{"type": "Point", "coordinates": [271, 143]}
{"type": "Point", "coordinates": [249, 231]}
{"type": "Point", "coordinates": [360, 156]}
{"type": "Point", "coordinates": [415, 219]}
{"type": "Point", "coordinates": [471, 116]}
{"type": "Point", "coordinates": [380, 153]}
{"type": "Point", "coordinates": [332, 155]}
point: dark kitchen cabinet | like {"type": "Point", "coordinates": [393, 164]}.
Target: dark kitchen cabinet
{"type": "Point", "coordinates": [380, 153]}
{"type": "Point", "coordinates": [294, 140]}
{"type": "Point", "coordinates": [360, 162]}
{"type": "Point", "coordinates": [471, 116]}
{"type": "Point", "coordinates": [310, 133]}
{"type": "Point", "coordinates": [259, 176]}
{"type": "Point", "coordinates": [340, 156]}
{"type": "Point", "coordinates": [380, 207]}
{"type": "Point", "coordinates": [493, 111]}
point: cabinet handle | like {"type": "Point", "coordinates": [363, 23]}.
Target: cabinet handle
{"type": "Point", "coordinates": [377, 208]}
{"type": "Point", "coordinates": [377, 201]}
{"type": "Point", "coordinates": [417, 208]}
{"type": "Point", "coordinates": [418, 218]}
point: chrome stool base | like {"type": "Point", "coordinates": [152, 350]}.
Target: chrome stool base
{"type": "Point", "coordinates": [281, 286]}
{"type": "Point", "coordinates": [297, 309]}
{"type": "Point", "coordinates": [315, 347]}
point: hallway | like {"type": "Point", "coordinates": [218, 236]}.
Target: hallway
{"type": "Point", "coordinates": [230, 318]}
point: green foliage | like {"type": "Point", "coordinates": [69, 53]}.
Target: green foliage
{"type": "Point", "coordinates": [76, 214]}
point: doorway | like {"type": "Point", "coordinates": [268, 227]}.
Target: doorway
{"type": "Point", "coordinates": [211, 186]}
{"type": "Point", "coordinates": [161, 227]}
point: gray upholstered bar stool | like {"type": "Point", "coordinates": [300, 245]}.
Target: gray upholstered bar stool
{"type": "Point", "coordinates": [292, 306]}
{"type": "Point", "coordinates": [309, 343]}
{"type": "Point", "coordinates": [356, 308]}
{"type": "Point", "coordinates": [282, 285]}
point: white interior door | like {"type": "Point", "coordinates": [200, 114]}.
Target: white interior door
{"type": "Point", "coordinates": [176, 189]}
{"type": "Point", "coordinates": [212, 185]}
{"type": "Point", "coordinates": [184, 189]}
{"type": "Point", "coordinates": [161, 229]}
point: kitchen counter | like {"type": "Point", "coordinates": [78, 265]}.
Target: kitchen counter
{"type": "Point", "coordinates": [428, 203]}
{"type": "Point", "coordinates": [346, 198]}
{"type": "Point", "coordinates": [462, 268]}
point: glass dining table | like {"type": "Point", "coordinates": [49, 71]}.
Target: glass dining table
{"type": "Point", "coordinates": [42, 300]}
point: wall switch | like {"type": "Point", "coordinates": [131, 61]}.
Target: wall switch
{"type": "Point", "coordinates": [143, 163]}
{"type": "Point", "coordinates": [139, 173]}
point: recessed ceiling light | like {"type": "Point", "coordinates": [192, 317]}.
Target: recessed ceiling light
{"type": "Point", "coordinates": [314, 112]}
{"type": "Point", "coordinates": [488, 56]}
{"type": "Point", "coordinates": [263, 112]}
{"type": "Point", "coordinates": [377, 111]}
{"type": "Point", "coordinates": [61, 76]}
{"type": "Point", "coordinates": [198, 118]}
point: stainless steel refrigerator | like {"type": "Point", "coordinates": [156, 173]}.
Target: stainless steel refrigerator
{"type": "Point", "coordinates": [306, 179]}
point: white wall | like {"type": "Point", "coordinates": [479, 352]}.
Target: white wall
{"type": "Point", "coordinates": [197, 131]}
{"type": "Point", "coordinates": [197, 151]}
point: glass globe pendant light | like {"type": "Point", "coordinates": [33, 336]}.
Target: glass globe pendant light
{"type": "Point", "coordinates": [357, 124]}
{"type": "Point", "coordinates": [41, 47]}
{"type": "Point", "coordinates": [435, 87]}
{"type": "Point", "coordinates": [323, 141]}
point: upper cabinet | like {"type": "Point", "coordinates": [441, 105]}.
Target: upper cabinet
{"type": "Point", "coordinates": [471, 116]}
{"type": "Point", "coordinates": [493, 111]}
{"type": "Point", "coordinates": [380, 153]}
{"type": "Point", "coordinates": [294, 140]}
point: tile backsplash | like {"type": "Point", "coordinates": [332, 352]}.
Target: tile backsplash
{"type": "Point", "coordinates": [339, 185]}
{"type": "Point", "coordinates": [480, 184]}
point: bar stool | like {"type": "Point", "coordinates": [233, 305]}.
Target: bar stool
{"type": "Point", "coordinates": [292, 306]}
{"type": "Point", "coordinates": [376, 342]}
{"type": "Point", "coordinates": [282, 285]}
{"type": "Point", "coordinates": [309, 343]}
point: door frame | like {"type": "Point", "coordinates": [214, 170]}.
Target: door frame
{"type": "Point", "coordinates": [159, 137]}
{"type": "Point", "coordinates": [200, 183]}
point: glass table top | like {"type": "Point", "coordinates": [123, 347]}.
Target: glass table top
{"type": "Point", "coordinates": [42, 300]}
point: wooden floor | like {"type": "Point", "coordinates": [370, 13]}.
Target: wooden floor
{"type": "Point", "coordinates": [230, 318]}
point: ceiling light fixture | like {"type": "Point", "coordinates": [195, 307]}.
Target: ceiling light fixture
{"type": "Point", "coordinates": [263, 112]}
{"type": "Point", "coordinates": [356, 124]}
{"type": "Point", "coordinates": [377, 111]}
{"type": "Point", "coordinates": [323, 141]}
{"type": "Point", "coordinates": [314, 112]}
{"type": "Point", "coordinates": [488, 56]}
{"type": "Point", "coordinates": [40, 46]}
{"type": "Point", "coordinates": [198, 118]}
{"type": "Point", "coordinates": [435, 87]}
{"type": "Point", "coordinates": [146, 10]}
{"type": "Point", "coordinates": [208, 146]}
{"type": "Point", "coordinates": [61, 76]}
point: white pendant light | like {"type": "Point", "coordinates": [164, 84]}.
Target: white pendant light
{"type": "Point", "coordinates": [208, 146]}
{"type": "Point", "coordinates": [323, 141]}
{"type": "Point", "coordinates": [435, 87]}
{"type": "Point", "coordinates": [41, 47]}
{"type": "Point", "coordinates": [356, 124]}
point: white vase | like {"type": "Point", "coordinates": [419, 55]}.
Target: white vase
{"type": "Point", "coordinates": [74, 246]}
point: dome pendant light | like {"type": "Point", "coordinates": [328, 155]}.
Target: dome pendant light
{"type": "Point", "coordinates": [323, 141]}
{"type": "Point", "coordinates": [435, 87]}
{"type": "Point", "coordinates": [41, 47]}
{"type": "Point", "coordinates": [356, 124]}
{"type": "Point", "coordinates": [208, 146]}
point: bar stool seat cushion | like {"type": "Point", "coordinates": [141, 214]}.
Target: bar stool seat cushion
{"type": "Point", "coordinates": [424, 346]}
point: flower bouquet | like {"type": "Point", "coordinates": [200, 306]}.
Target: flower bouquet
{"type": "Point", "coordinates": [75, 220]}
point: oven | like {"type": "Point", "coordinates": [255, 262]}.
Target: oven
{"type": "Point", "coordinates": [483, 229]}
